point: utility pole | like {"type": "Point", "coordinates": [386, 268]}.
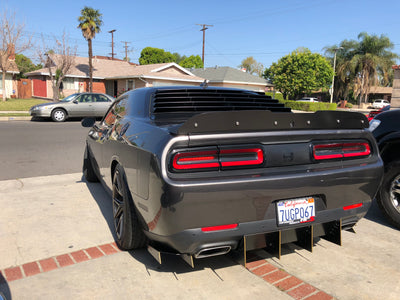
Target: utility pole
{"type": "Point", "coordinates": [204, 37]}
{"type": "Point", "coordinates": [112, 43]}
{"type": "Point", "coordinates": [126, 50]}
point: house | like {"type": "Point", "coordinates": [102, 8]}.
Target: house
{"type": "Point", "coordinates": [10, 76]}
{"type": "Point", "coordinates": [112, 77]}
{"type": "Point", "coordinates": [233, 78]}
{"type": "Point", "coordinates": [395, 101]}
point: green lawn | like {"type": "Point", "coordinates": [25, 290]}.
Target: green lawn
{"type": "Point", "coordinates": [19, 104]}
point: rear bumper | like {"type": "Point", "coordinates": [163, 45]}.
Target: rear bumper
{"type": "Point", "coordinates": [183, 210]}
{"type": "Point", "coordinates": [193, 241]}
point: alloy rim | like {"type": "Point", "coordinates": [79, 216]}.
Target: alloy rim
{"type": "Point", "coordinates": [118, 202]}
{"type": "Point", "coordinates": [395, 193]}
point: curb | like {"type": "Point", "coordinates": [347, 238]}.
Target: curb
{"type": "Point", "coordinates": [57, 262]}
{"type": "Point", "coordinates": [15, 118]}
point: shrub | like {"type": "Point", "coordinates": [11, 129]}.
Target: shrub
{"type": "Point", "coordinates": [278, 96]}
{"type": "Point", "coordinates": [309, 106]}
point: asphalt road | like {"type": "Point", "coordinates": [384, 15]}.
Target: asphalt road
{"type": "Point", "coordinates": [40, 148]}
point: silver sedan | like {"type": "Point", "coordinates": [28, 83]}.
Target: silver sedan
{"type": "Point", "coordinates": [76, 105]}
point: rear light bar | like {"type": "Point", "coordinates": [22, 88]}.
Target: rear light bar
{"type": "Point", "coordinates": [220, 227]}
{"type": "Point", "coordinates": [341, 150]}
{"type": "Point", "coordinates": [217, 159]}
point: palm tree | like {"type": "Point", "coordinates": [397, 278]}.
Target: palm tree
{"type": "Point", "coordinates": [363, 63]}
{"type": "Point", "coordinates": [90, 22]}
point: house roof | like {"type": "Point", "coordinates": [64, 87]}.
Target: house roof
{"type": "Point", "coordinates": [117, 69]}
{"type": "Point", "coordinates": [380, 90]}
{"type": "Point", "coordinates": [229, 75]}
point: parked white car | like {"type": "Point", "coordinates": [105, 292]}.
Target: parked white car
{"type": "Point", "coordinates": [379, 103]}
{"type": "Point", "coordinates": [308, 99]}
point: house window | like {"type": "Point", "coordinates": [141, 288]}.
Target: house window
{"type": "Point", "coordinates": [130, 85]}
{"type": "Point", "coordinates": [69, 83]}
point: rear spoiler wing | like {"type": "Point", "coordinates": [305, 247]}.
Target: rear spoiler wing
{"type": "Point", "coordinates": [259, 120]}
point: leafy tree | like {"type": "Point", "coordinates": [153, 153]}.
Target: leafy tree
{"type": "Point", "coordinates": [178, 57]}
{"type": "Point", "coordinates": [362, 64]}
{"type": "Point", "coordinates": [90, 22]}
{"type": "Point", "coordinates": [252, 66]}
{"type": "Point", "coordinates": [11, 42]}
{"type": "Point", "coordinates": [25, 65]}
{"type": "Point", "coordinates": [151, 55]}
{"type": "Point", "coordinates": [300, 72]}
{"type": "Point", "coordinates": [192, 62]}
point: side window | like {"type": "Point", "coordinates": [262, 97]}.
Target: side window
{"type": "Point", "coordinates": [101, 98]}
{"type": "Point", "coordinates": [116, 112]}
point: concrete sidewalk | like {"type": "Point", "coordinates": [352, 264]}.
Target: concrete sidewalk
{"type": "Point", "coordinates": [14, 118]}
{"type": "Point", "coordinates": [57, 242]}
{"type": "Point", "coordinates": [43, 218]}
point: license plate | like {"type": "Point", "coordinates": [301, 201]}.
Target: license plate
{"type": "Point", "coordinates": [295, 211]}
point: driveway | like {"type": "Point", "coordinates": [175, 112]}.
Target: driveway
{"type": "Point", "coordinates": [57, 242]}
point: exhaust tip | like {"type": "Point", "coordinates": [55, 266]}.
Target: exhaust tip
{"type": "Point", "coordinates": [213, 251]}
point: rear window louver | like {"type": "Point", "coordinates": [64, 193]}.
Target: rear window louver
{"type": "Point", "coordinates": [192, 101]}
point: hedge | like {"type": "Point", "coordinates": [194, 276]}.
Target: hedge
{"type": "Point", "coordinates": [309, 106]}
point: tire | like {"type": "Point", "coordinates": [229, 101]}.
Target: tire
{"type": "Point", "coordinates": [128, 230]}
{"type": "Point", "coordinates": [59, 115]}
{"type": "Point", "coordinates": [87, 169]}
{"type": "Point", "coordinates": [389, 194]}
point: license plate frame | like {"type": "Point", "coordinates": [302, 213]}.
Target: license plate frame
{"type": "Point", "coordinates": [295, 211]}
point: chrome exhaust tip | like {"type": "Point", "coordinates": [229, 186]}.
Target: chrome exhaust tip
{"type": "Point", "coordinates": [213, 251]}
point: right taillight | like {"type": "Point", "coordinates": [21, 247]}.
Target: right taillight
{"type": "Point", "coordinates": [341, 150]}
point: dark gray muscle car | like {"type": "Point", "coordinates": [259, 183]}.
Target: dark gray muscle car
{"type": "Point", "coordinates": [201, 171]}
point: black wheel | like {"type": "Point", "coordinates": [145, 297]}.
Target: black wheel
{"type": "Point", "coordinates": [389, 193]}
{"type": "Point", "coordinates": [126, 223]}
{"type": "Point", "coordinates": [87, 169]}
{"type": "Point", "coordinates": [59, 115]}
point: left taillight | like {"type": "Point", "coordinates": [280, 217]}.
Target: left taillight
{"type": "Point", "coordinates": [341, 150]}
{"type": "Point", "coordinates": [225, 158]}
{"type": "Point", "coordinates": [195, 160]}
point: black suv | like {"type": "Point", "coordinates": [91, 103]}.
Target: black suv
{"type": "Point", "coordinates": [386, 130]}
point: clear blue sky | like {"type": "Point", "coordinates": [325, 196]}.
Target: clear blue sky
{"type": "Point", "coordinates": [266, 30]}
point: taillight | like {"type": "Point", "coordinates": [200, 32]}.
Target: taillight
{"type": "Point", "coordinates": [241, 157]}
{"type": "Point", "coordinates": [341, 150]}
{"type": "Point", "coordinates": [217, 159]}
{"type": "Point", "coordinates": [196, 160]}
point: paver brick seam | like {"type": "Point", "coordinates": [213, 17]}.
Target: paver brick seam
{"type": "Point", "coordinates": [291, 285]}
{"type": "Point", "coordinates": [302, 291]}
{"type": "Point", "coordinates": [57, 262]}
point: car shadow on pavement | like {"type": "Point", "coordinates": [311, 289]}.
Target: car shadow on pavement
{"type": "Point", "coordinates": [374, 214]}
{"type": "Point", "coordinates": [4, 289]}
{"type": "Point", "coordinates": [171, 263]}
{"type": "Point", "coordinates": [103, 200]}
{"type": "Point", "coordinates": [175, 264]}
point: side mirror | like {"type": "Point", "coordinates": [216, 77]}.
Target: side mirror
{"type": "Point", "coordinates": [88, 122]}
{"type": "Point", "coordinates": [75, 101]}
